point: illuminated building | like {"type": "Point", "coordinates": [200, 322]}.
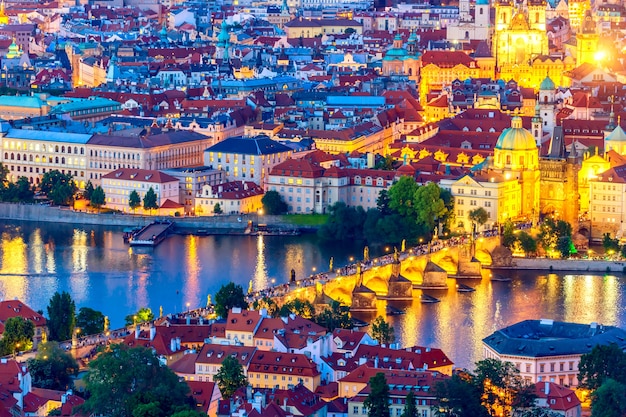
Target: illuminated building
{"type": "Point", "coordinates": [516, 154]}
{"type": "Point", "coordinates": [401, 60]}
{"type": "Point", "coordinates": [471, 27]}
{"type": "Point", "coordinates": [520, 44]}
{"type": "Point", "coordinates": [547, 350]}
{"type": "Point", "coordinates": [587, 42]}
{"type": "Point", "coordinates": [233, 197]}
{"type": "Point", "coordinates": [591, 167]}
{"type": "Point", "coordinates": [4, 19]}
{"type": "Point", "coordinates": [441, 68]}
{"type": "Point", "coordinates": [577, 11]}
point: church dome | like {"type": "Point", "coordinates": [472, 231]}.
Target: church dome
{"type": "Point", "coordinates": [617, 135]}
{"type": "Point", "coordinates": [516, 138]}
{"type": "Point", "coordinates": [482, 2]}
{"type": "Point", "coordinates": [547, 84]}
{"type": "Point", "coordinates": [397, 52]}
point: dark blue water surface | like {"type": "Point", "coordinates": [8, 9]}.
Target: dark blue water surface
{"type": "Point", "coordinates": [95, 266]}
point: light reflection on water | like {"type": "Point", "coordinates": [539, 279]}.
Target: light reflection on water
{"type": "Point", "coordinates": [99, 271]}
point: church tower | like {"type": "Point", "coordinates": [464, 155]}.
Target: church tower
{"type": "Point", "coordinates": [537, 125]}
{"type": "Point", "coordinates": [464, 11]}
{"type": "Point", "coordinates": [537, 15]}
{"type": "Point", "coordinates": [504, 14]}
{"type": "Point", "coordinates": [587, 41]}
{"type": "Point", "coordinates": [547, 104]}
{"type": "Point", "coordinates": [516, 154]}
{"type": "Point", "coordinates": [481, 14]}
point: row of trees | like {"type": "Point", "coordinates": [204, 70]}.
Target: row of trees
{"type": "Point", "coordinates": [61, 188]}
{"type": "Point", "coordinates": [407, 211]}
{"type": "Point", "coordinates": [555, 236]}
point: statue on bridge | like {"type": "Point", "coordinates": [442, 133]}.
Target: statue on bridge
{"type": "Point", "coordinates": [366, 254]}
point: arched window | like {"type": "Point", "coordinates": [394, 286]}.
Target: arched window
{"type": "Point", "coordinates": [521, 160]}
{"type": "Point", "coordinates": [30, 158]}
{"type": "Point", "coordinates": [82, 151]}
{"type": "Point", "coordinates": [19, 157]}
{"type": "Point", "coordinates": [63, 161]}
{"type": "Point", "coordinates": [508, 159]}
{"type": "Point", "coordinates": [545, 99]}
{"type": "Point", "coordinates": [56, 148]}
{"type": "Point", "coordinates": [6, 155]}
{"type": "Point", "coordinates": [12, 156]}
{"type": "Point", "coordinates": [62, 149]}
{"type": "Point", "coordinates": [56, 160]}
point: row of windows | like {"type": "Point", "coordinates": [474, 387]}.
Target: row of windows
{"type": "Point", "coordinates": [44, 159]}
{"type": "Point", "coordinates": [41, 147]}
{"type": "Point", "coordinates": [461, 202]}
{"type": "Point", "coordinates": [605, 209]}
{"type": "Point", "coordinates": [473, 192]}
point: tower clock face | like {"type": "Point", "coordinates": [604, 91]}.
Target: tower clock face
{"type": "Point", "coordinates": [520, 50]}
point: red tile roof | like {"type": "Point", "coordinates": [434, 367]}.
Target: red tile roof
{"type": "Point", "coordinates": [140, 175]}
{"type": "Point", "coordinates": [15, 308]}
{"type": "Point", "coordinates": [282, 363]}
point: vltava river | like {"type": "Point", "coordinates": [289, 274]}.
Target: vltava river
{"type": "Point", "coordinates": [100, 271]}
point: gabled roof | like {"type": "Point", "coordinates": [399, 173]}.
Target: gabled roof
{"type": "Point", "coordinates": [140, 175]}
{"type": "Point", "coordinates": [15, 308]}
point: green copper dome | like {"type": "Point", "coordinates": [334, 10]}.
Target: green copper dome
{"type": "Point", "coordinates": [516, 138]}
{"type": "Point", "coordinates": [617, 135]}
{"type": "Point", "coordinates": [547, 84]}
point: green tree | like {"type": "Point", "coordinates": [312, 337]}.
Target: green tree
{"type": "Point", "coordinates": [537, 412]}
{"type": "Point", "coordinates": [52, 368]}
{"type": "Point", "coordinates": [385, 163]}
{"type": "Point", "coordinates": [90, 321]}
{"type": "Point", "coordinates": [61, 316]}
{"type": "Point", "coordinates": [17, 336]}
{"type": "Point", "coordinates": [343, 223]}
{"type": "Point", "coordinates": [60, 188]}
{"type": "Point", "coordinates": [122, 380]}
{"type": "Point", "coordinates": [609, 244]}
{"type": "Point", "coordinates": [300, 307]}
{"type": "Point", "coordinates": [336, 316]}
{"type": "Point", "coordinates": [429, 205]}
{"type": "Point", "coordinates": [508, 234]}
{"type": "Point", "coordinates": [609, 400]}
{"type": "Point", "coordinates": [150, 200]}
{"type": "Point", "coordinates": [382, 203]}
{"type": "Point", "coordinates": [217, 209]}
{"type": "Point", "coordinates": [410, 405]}
{"type": "Point", "coordinates": [602, 363]}
{"type": "Point", "coordinates": [88, 190]}
{"type": "Point", "coordinates": [229, 296]}
{"type": "Point", "coordinates": [134, 201]}
{"type": "Point", "coordinates": [527, 243]}
{"type": "Point", "coordinates": [98, 198]}
{"type": "Point", "coordinates": [556, 236]}
{"type": "Point", "coordinates": [267, 303]}
{"type": "Point", "coordinates": [402, 197]}
{"type": "Point", "coordinates": [502, 386]}
{"type": "Point", "coordinates": [273, 203]}
{"type": "Point", "coordinates": [230, 377]}
{"type": "Point", "coordinates": [478, 217]}
{"type": "Point", "coordinates": [188, 413]}
{"type": "Point", "coordinates": [377, 401]}
{"type": "Point", "coordinates": [459, 396]}
{"type": "Point", "coordinates": [382, 331]}
{"type": "Point", "coordinates": [4, 177]}
{"type": "Point", "coordinates": [143, 315]}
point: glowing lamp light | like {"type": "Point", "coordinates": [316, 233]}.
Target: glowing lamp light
{"type": "Point", "coordinates": [599, 56]}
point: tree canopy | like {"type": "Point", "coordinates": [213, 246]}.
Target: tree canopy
{"type": "Point", "coordinates": [134, 201]}
{"type": "Point", "coordinates": [609, 400]}
{"type": "Point", "coordinates": [478, 217]}
{"type": "Point", "coordinates": [150, 200]}
{"type": "Point", "coordinates": [459, 396]}
{"type": "Point", "coordinates": [377, 401]}
{"type": "Point", "coordinates": [556, 236]}
{"type": "Point", "coordinates": [17, 336]}
{"type": "Point", "coordinates": [230, 377]}
{"type": "Point", "coordinates": [52, 368]}
{"type": "Point", "coordinates": [382, 331]}
{"type": "Point", "coordinates": [604, 362]}
{"type": "Point", "coordinates": [126, 381]}
{"type": "Point", "coordinates": [336, 316]}
{"type": "Point", "coordinates": [98, 198]}
{"type": "Point", "coordinates": [60, 188]}
{"type": "Point", "coordinates": [61, 316]}
{"type": "Point", "coordinates": [143, 315]}
{"type": "Point", "coordinates": [228, 296]}
{"type": "Point", "coordinates": [90, 321]}
{"type": "Point", "coordinates": [273, 203]}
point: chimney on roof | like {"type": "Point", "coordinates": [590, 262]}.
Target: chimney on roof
{"type": "Point", "coordinates": [173, 344]}
{"type": "Point", "coordinates": [363, 360]}
{"type": "Point", "coordinates": [152, 331]}
{"type": "Point", "coordinates": [137, 331]}
{"type": "Point", "coordinates": [376, 361]}
{"type": "Point", "coordinates": [547, 388]}
{"type": "Point", "coordinates": [188, 320]}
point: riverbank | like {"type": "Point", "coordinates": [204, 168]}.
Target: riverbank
{"type": "Point", "coordinates": [232, 224]}
{"type": "Point", "coordinates": [565, 265]}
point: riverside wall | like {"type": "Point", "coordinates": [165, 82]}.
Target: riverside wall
{"type": "Point", "coordinates": [567, 265]}
{"type": "Point", "coordinates": [48, 214]}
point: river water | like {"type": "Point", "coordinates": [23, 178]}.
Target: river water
{"type": "Point", "coordinates": [95, 266]}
